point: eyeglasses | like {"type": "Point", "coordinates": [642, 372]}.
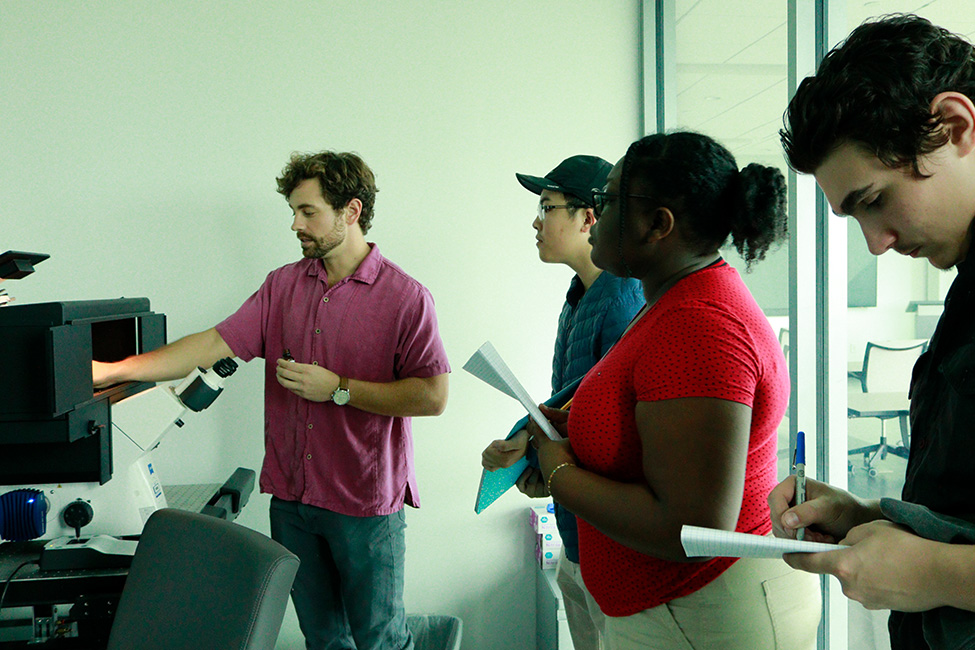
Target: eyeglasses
{"type": "Point", "coordinates": [545, 208]}
{"type": "Point", "coordinates": [601, 199]}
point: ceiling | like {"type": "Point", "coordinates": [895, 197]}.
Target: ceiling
{"type": "Point", "coordinates": [731, 64]}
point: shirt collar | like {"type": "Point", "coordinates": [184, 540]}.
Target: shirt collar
{"type": "Point", "coordinates": [965, 267]}
{"type": "Point", "coordinates": [576, 291]}
{"type": "Point", "coordinates": [366, 273]}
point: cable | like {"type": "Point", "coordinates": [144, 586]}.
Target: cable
{"type": "Point", "coordinates": [6, 584]}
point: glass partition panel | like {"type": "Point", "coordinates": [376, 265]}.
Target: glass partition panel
{"type": "Point", "coordinates": [731, 79]}
{"type": "Point", "coordinates": [730, 75]}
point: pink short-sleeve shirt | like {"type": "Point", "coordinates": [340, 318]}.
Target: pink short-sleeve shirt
{"type": "Point", "coordinates": [376, 325]}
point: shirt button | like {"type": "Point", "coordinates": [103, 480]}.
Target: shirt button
{"type": "Point", "coordinates": [318, 331]}
{"type": "Point", "coordinates": [308, 456]}
{"type": "Point", "coordinates": [310, 426]}
{"type": "Point", "coordinates": [325, 299]}
{"type": "Point", "coordinates": [314, 363]}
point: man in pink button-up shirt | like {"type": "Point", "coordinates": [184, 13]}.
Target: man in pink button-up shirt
{"type": "Point", "coordinates": [352, 352]}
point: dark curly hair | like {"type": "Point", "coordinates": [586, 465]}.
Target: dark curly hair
{"type": "Point", "coordinates": [699, 181]}
{"type": "Point", "coordinates": [342, 176]}
{"type": "Point", "coordinates": [875, 89]}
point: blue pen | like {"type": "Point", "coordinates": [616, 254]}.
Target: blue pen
{"type": "Point", "coordinates": [800, 467]}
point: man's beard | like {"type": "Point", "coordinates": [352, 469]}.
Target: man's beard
{"type": "Point", "coordinates": [323, 246]}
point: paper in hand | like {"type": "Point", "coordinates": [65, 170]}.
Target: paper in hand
{"type": "Point", "coordinates": [709, 542]}
{"type": "Point", "coordinates": [486, 364]}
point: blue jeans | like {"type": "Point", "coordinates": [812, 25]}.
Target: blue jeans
{"type": "Point", "coordinates": [348, 593]}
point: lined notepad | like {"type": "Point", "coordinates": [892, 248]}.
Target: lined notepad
{"type": "Point", "coordinates": [487, 365]}
{"type": "Point", "coordinates": [709, 542]}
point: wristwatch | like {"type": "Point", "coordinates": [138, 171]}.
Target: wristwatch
{"type": "Point", "coordinates": [341, 395]}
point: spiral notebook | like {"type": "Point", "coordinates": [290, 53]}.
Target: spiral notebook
{"type": "Point", "coordinates": [709, 542]}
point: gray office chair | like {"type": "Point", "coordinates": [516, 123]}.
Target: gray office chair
{"type": "Point", "coordinates": [201, 582]}
{"type": "Point", "coordinates": [887, 368]}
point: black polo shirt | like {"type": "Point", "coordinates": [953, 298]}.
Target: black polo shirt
{"type": "Point", "coordinates": [941, 467]}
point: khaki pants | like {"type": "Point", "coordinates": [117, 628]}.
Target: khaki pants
{"type": "Point", "coordinates": [586, 620]}
{"type": "Point", "coordinates": [755, 605]}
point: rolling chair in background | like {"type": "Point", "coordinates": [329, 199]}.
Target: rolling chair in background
{"type": "Point", "coordinates": [887, 368]}
{"type": "Point", "coordinates": [201, 582]}
{"type": "Point", "coordinates": [784, 343]}
{"type": "Point", "coordinates": [783, 444]}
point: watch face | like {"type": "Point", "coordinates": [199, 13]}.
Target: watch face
{"type": "Point", "coordinates": [340, 396]}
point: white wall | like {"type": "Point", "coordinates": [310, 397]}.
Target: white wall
{"type": "Point", "coordinates": [140, 143]}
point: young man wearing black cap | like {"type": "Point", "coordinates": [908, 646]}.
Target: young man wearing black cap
{"type": "Point", "coordinates": [597, 309]}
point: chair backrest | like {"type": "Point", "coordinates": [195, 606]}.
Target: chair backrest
{"type": "Point", "coordinates": [197, 581]}
{"type": "Point", "coordinates": [887, 365]}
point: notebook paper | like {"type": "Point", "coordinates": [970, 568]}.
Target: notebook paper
{"type": "Point", "coordinates": [486, 364]}
{"type": "Point", "coordinates": [708, 542]}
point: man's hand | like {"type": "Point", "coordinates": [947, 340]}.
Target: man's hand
{"type": "Point", "coordinates": [173, 361]}
{"type": "Point", "coordinates": [505, 453]}
{"type": "Point", "coordinates": [885, 567]}
{"type": "Point", "coordinates": [828, 513]}
{"type": "Point", "coordinates": [102, 374]}
{"type": "Point", "coordinates": [307, 381]}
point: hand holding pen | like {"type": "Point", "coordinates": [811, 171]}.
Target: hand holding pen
{"type": "Point", "coordinates": [800, 469]}
{"type": "Point", "coordinates": [803, 508]}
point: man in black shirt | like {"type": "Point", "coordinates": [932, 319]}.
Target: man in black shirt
{"type": "Point", "coordinates": [887, 126]}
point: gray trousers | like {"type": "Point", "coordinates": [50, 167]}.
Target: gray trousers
{"type": "Point", "coordinates": [348, 593]}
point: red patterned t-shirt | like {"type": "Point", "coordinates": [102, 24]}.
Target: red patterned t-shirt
{"type": "Point", "coordinates": [706, 337]}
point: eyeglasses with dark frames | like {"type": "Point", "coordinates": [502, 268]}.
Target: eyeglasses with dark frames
{"type": "Point", "coordinates": [600, 199]}
{"type": "Point", "coordinates": [545, 208]}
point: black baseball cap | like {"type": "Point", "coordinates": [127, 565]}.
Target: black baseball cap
{"type": "Point", "coordinates": [576, 176]}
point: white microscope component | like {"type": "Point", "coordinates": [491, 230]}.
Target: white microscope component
{"type": "Point", "coordinates": [121, 506]}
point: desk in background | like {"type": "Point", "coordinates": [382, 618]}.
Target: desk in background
{"type": "Point", "coordinates": [879, 405]}
{"type": "Point", "coordinates": [55, 609]}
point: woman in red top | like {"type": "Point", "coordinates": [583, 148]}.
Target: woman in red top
{"type": "Point", "coordinates": [677, 424]}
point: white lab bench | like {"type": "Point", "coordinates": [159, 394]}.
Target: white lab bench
{"type": "Point", "coordinates": [551, 624]}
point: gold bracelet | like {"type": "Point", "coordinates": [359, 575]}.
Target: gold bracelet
{"type": "Point", "coordinates": [548, 483]}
